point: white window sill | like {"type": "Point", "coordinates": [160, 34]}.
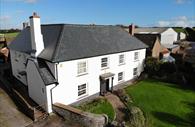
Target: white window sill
{"type": "Point", "coordinates": [82, 96]}
{"type": "Point", "coordinates": [121, 81]}
{"type": "Point", "coordinates": [82, 74]}
{"type": "Point", "coordinates": [121, 64]}
{"type": "Point", "coordinates": [136, 60]}
{"type": "Point", "coordinates": [104, 68]}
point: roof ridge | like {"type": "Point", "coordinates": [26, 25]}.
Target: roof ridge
{"type": "Point", "coordinates": [66, 24]}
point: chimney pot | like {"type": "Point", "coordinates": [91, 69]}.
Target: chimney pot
{"type": "Point", "coordinates": [34, 15]}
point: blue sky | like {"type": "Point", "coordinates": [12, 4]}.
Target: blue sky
{"type": "Point", "coordinates": [140, 12]}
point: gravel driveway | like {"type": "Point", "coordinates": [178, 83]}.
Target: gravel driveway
{"type": "Point", "coordinates": [10, 116]}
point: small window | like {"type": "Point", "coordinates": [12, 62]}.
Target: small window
{"type": "Point", "coordinates": [104, 62]}
{"type": "Point", "coordinates": [82, 67]}
{"type": "Point", "coordinates": [135, 71]}
{"type": "Point", "coordinates": [136, 56]}
{"type": "Point", "coordinates": [82, 89]}
{"type": "Point", "coordinates": [121, 59]}
{"type": "Point", "coordinates": [120, 76]}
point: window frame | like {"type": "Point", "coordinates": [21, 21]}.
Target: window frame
{"type": "Point", "coordinates": [122, 76]}
{"type": "Point", "coordinates": [122, 60]}
{"type": "Point", "coordinates": [85, 88]}
{"type": "Point", "coordinates": [79, 72]}
{"type": "Point", "coordinates": [136, 56]}
{"type": "Point", "coordinates": [107, 62]}
{"type": "Point", "coordinates": [135, 73]}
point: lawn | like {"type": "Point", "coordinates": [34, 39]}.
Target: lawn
{"type": "Point", "coordinates": [165, 105]}
{"type": "Point", "coordinates": [11, 36]}
{"type": "Point", "coordinates": [99, 106]}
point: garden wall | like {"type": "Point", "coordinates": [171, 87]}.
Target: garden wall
{"type": "Point", "coordinates": [84, 118]}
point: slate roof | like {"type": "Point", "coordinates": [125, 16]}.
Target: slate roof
{"type": "Point", "coordinates": [148, 39]}
{"type": "Point", "coordinates": [157, 30]}
{"type": "Point", "coordinates": [65, 42]}
{"type": "Point", "coordinates": [47, 76]}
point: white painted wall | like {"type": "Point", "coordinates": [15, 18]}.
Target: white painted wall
{"type": "Point", "coordinates": [67, 90]}
{"type": "Point", "coordinates": [36, 35]}
{"type": "Point", "coordinates": [18, 61]}
{"type": "Point", "coordinates": [168, 37]}
{"type": "Point", "coordinates": [48, 95]}
{"type": "Point", "coordinates": [182, 36]}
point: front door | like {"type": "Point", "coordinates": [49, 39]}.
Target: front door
{"type": "Point", "coordinates": [107, 85]}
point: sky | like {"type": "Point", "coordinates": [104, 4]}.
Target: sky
{"type": "Point", "coordinates": [145, 13]}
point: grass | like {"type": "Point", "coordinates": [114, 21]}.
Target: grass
{"type": "Point", "coordinates": [179, 30]}
{"type": "Point", "coordinates": [164, 105]}
{"type": "Point", "coordinates": [10, 36]}
{"type": "Point", "coordinates": [99, 106]}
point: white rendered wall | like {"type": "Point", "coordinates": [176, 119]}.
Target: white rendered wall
{"type": "Point", "coordinates": [36, 35]}
{"type": "Point", "coordinates": [67, 90]}
{"type": "Point", "coordinates": [168, 37]}
{"type": "Point", "coordinates": [18, 61]}
{"type": "Point", "coordinates": [182, 36]}
{"type": "Point", "coordinates": [49, 99]}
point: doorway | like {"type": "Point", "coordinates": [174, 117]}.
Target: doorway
{"type": "Point", "coordinates": [107, 85]}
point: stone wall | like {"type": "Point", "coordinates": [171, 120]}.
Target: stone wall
{"type": "Point", "coordinates": [84, 118]}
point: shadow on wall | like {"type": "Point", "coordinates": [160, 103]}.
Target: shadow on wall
{"type": "Point", "coordinates": [176, 120]}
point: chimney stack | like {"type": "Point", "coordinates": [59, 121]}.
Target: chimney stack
{"type": "Point", "coordinates": [131, 29]}
{"type": "Point", "coordinates": [36, 35]}
{"type": "Point", "coordinates": [25, 24]}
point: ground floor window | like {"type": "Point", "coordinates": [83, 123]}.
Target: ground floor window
{"type": "Point", "coordinates": [135, 71]}
{"type": "Point", "coordinates": [120, 76]}
{"type": "Point", "coordinates": [82, 89]}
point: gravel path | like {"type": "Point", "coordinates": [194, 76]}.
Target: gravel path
{"type": "Point", "coordinates": [118, 106]}
{"type": "Point", "coordinates": [10, 116]}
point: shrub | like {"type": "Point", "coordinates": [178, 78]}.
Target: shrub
{"type": "Point", "coordinates": [152, 66]}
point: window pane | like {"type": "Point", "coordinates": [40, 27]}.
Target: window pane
{"type": "Point", "coordinates": [135, 71]}
{"type": "Point", "coordinates": [136, 56]}
{"type": "Point", "coordinates": [121, 59]}
{"type": "Point", "coordinates": [120, 76]}
{"type": "Point", "coordinates": [82, 67]}
{"type": "Point", "coordinates": [104, 62]}
{"type": "Point", "coordinates": [82, 89]}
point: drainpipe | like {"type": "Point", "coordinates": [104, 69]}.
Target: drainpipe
{"type": "Point", "coordinates": [112, 83]}
{"type": "Point", "coordinates": [54, 86]}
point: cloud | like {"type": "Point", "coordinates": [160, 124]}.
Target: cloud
{"type": "Point", "coordinates": [30, 1]}
{"type": "Point", "coordinates": [24, 1]}
{"type": "Point", "coordinates": [181, 21]}
{"type": "Point", "coordinates": [183, 1]}
{"type": "Point", "coordinates": [4, 18]}
{"type": "Point", "coordinates": [5, 21]}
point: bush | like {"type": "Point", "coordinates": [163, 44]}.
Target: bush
{"type": "Point", "coordinates": [152, 66]}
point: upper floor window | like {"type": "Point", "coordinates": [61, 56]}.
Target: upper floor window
{"type": "Point", "coordinates": [121, 59]}
{"type": "Point", "coordinates": [82, 89]}
{"type": "Point", "coordinates": [82, 67]}
{"type": "Point", "coordinates": [136, 55]}
{"type": "Point", "coordinates": [120, 76]}
{"type": "Point", "coordinates": [104, 62]}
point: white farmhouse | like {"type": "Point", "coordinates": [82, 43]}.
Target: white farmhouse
{"type": "Point", "coordinates": [69, 63]}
